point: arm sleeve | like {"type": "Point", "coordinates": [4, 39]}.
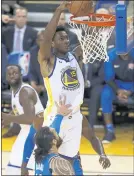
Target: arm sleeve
{"type": "Point", "coordinates": [61, 166]}
{"type": "Point", "coordinates": [29, 145]}
{"type": "Point", "coordinates": [57, 122]}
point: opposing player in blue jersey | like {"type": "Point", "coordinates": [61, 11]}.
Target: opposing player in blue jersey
{"type": "Point", "coordinates": [48, 161]}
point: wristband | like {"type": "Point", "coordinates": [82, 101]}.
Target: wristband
{"type": "Point", "coordinates": [103, 155]}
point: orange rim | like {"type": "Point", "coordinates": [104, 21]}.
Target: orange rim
{"type": "Point", "coordinates": [109, 17]}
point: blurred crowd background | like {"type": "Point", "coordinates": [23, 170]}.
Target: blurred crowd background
{"type": "Point", "coordinates": [21, 23]}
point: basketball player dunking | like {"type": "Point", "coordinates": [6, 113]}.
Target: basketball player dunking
{"type": "Point", "coordinates": [62, 76]}
{"type": "Point", "coordinates": [26, 108]}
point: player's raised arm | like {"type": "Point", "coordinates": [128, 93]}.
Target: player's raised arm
{"type": "Point", "coordinates": [48, 34]}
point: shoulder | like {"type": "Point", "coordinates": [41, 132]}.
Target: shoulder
{"type": "Point", "coordinates": [9, 29]}
{"type": "Point", "coordinates": [46, 65]}
{"type": "Point", "coordinates": [27, 92]}
{"type": "Point", "coordinates": [60, 166]}
{"type": "Point", "coordinates": [72, 55]}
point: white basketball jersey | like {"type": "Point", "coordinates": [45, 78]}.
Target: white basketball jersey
{"type": "Point", "coordinates": [16, 106]}
{"type": "Point", "coordinates": [17, 149]}
{"type": "Point", "coordinates": [65, 79]}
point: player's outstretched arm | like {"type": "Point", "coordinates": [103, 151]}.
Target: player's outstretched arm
{"type": "Point", "coordinates": [48, 34]}
{"type": "Point", "coordinates": [60, 166]}
{"type": "Point", "coordinates": [27, 100]}
{"type": "Point", "coordinates": [97, 145]}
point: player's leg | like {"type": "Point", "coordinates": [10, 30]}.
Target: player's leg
{"type": "Point", "coordinates": [70, 132]}
{"type": "Point", "coordinates": [16, 155]}
{"type": "Point", "coordinates": [107, 98]}
{"type": "Point", "coordinates": [77, 166]}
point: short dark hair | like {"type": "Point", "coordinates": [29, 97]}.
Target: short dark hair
{"type": "Point", "coordinates": [18, 66]}
{"type": "Point", "coordinates": [60, 28]}
{"type": "Point", "coordinates": [20, 8]}
{"type": "Point", "coordinates": [43, 139]}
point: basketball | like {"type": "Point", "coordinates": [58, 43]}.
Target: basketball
{"type": "Point", "coordinates": [81, 8]}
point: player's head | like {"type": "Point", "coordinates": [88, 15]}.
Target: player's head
{"type": "Point", "coordinates": [13, 75]}
{"type": "Point", "coordinates": [60, 41]}
{"type": "Point", "coordinates": [20, 17]}
{"type": "Point", "coordinates": [46, 139]}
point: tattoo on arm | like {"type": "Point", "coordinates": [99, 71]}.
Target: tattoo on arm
{"type": "Point", "coordinates": [61, 166]}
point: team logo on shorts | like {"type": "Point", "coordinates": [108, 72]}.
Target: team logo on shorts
{"type": "Point", "coordinates": [69, 78]}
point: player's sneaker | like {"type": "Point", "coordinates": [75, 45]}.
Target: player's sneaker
{"type": "Point", "coordinates": [109, 137]}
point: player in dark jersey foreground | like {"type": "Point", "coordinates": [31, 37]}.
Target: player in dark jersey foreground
{"type": "Point", "coordinates": [47, 158]}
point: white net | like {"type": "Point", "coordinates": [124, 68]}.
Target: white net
{"type": "Point", "coordinates": [93, 40]}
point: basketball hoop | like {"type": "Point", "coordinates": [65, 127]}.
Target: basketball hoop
{"type": "Point", "coordinates": [93, 32]}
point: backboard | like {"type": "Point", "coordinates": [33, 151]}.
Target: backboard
{"type": "Point", "coordinates": [124, 26]}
